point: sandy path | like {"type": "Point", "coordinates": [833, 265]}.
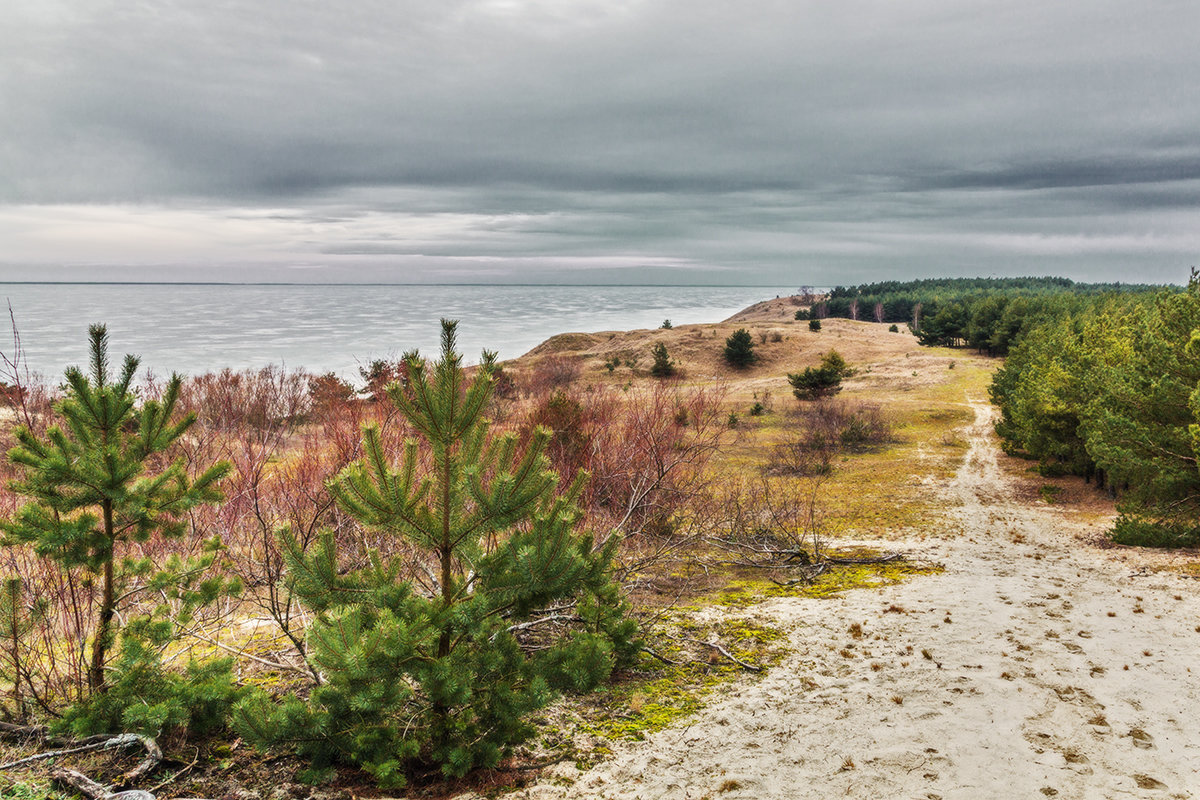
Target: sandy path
{"type": "Point", "coordinates": [1043, 679]}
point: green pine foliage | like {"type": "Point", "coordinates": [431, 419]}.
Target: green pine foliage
{"type": "Point", "coordinates": [825, 380]}
{"type": "Point", "coordinates": [1140, 424]}
{"type": "Point", "coordinates": [921, 300]}
{"type": "Point", "coordinates": [143, 696]}
{"type": "Point", "coordinates": [739, 349]}
{"type": "Point", "coordinates": [814, 325]}
{"type": "Point", "coordinates": [663, 366]}
{"type": "Point", "coordinates": [94, 490]}
{"type": "Point", "coordinates": [518, 606]}
{"type": "Point", "coordinates": [1110, 390]}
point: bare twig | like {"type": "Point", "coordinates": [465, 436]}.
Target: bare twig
{"type": "Point", "coordinates": [729, 655]}
{"type": "Point", "coordinates": [178, 774]}
{"type": "Point", "coordinates": [661, 657]}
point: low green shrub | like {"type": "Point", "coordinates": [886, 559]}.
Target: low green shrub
{"type": "Point", "coordinates": [145, 697]}
{"type": "Point", "coordinates": [1141, 532]}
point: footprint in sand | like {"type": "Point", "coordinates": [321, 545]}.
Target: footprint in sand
{"type": "Point", "coordinates": [1141, 739]}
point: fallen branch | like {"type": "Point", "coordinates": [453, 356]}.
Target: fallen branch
{"type": "Point", "coordinates": [524, 626]}
{"type": "Point", "coordinates": [20, 733]}
{"type": "Point", "coordinates": [729, 655]}
{"type": "Point", "coordinates": [154, 757]}
{"type": "Point", "coordinates": [109, 743]}
{"type": "Point", "coordinates": [809, 577]}
{"type": "Point", "coordinates": [661, 657]}
{"type": "Point", "coordinates": [178, 774]}
{"type": "Point", "coordinates": [878, 560]}
{"type": "Point", "coordinates": [80, 783]}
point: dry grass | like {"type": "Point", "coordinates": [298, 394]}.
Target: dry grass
{"type": "Point", "coordinates": [884, 494]}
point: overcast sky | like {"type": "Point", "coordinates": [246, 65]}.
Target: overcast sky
{"type": "Point", "coordinates": [578, 141]}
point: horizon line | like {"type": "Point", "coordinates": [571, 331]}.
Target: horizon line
{"type": "Point", "coordinates": [378, 283]}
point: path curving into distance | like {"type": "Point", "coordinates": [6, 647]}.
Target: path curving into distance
{"type": "Point", "coordinates": [1045, 676]}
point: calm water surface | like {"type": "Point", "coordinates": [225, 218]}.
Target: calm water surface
{"type": "Point", "coordinates": [198, 328]}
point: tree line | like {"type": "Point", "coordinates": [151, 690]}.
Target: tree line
{"type": "Point", "coordinates": [987, 314]}
{"type": "Point", "coordinates": [1101, 381]}
{"type": "Point", "coordinates": [1110, 390]}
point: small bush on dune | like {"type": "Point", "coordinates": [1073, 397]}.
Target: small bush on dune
{"type": "Point", "coordinates": [739, 349]}
{"type": "Point", "coordinates": [827, 428]}
{"type": "Point", "coordinates": [663, 366]}
{"type": "Point", "coordinates": [553, 372]}
{"type": "Point", "coordinates": [815, 383]}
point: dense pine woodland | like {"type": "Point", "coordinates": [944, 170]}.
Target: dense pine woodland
{"type": "Point", "coordinates": [1099, 380]}
{"type": "Point", "coordinates": [987, 314]}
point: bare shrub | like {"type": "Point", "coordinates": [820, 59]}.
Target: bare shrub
{"type": "Point", "coordinates": [552, 372]}
{"type": "Point", "coordinates": [651, 459]}
{"type": "Point", "coordinates": [825, 429]}
{"type": "Point", "coordinates": [262, 400]}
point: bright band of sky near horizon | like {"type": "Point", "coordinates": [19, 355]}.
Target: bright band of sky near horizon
{"type": "Point", "coordinates": [643, 141]}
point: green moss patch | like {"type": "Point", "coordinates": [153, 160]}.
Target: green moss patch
{"type": "Point", "coordinates": [655, 694]}
{"type": "Point", "coordinates": [748, 592]}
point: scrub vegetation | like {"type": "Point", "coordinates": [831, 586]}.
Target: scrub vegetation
{"type": "Point", "coordinates": [446, 577]}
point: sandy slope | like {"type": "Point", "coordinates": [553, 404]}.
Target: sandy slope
{"type": "Point", "coordinates": [1043, 679]}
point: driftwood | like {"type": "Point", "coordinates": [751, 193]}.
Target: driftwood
{"type": "Point", "coordinates": [77, 780]}
{"type": "Point", "coordinates": [154, 755]}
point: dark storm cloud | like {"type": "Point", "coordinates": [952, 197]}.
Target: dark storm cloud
{"type": "Point", "coordinates": [760, 140]}
{"type": "Point", "coordinates": [1124, 169]}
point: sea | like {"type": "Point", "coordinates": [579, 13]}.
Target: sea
{"type": "Point", "coordinates": [198, 328]}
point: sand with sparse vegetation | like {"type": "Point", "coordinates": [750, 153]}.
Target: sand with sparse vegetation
{"type": "Point", "coordinates": [1043, 662]}
{"type": "Point", "coordinates": [1016, 654]}
{"type": "Point", "coordinates": [1039, 664]}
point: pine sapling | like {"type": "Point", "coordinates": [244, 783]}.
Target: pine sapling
{"type": "Point", "coordinates": [439, 658]}
{"type": "Point", "coordinates": [92, 491]}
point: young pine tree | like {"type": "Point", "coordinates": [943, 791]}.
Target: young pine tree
{"type": "Point", "coordinates": [815, 383]}
{"type": "Point", "coordinates": [93, 491]}
{"type": "Point", "coordinates": [663, 366]}
{"type": "Point", "coordinates": [739, 349]}
{"type": "Point", "coordinates": [434, 672]}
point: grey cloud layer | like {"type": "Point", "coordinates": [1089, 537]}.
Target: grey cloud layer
{"type": "Point", "coordinates": [852, 138]}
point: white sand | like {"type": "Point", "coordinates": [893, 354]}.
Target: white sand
{"type": "Point", "coordinates": [1043, 680]}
